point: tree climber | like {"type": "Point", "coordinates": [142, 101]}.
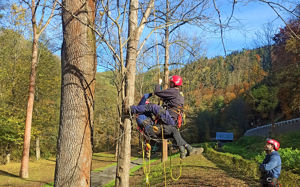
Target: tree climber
{"type": "Point", "coordinates": [170, 114]}
{"type": "Point", "coordinates": [271, 166]}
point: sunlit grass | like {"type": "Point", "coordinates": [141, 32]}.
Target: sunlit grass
{"type": "Point", "coordinates": [41, 172]}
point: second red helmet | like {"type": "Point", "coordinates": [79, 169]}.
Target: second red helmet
{"type": "Point", "coordinates": [176, 79]}
{"type": "Point", "coordinates": [275, 143]}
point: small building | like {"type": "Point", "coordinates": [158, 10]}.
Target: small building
{"type": "Point", "coordinates": [224, 137]}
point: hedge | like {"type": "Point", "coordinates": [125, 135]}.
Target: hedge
{"type": "Point", "coordinates": [249, 168]}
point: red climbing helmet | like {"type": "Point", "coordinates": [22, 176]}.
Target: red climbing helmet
{"type": "Point", "coordinates": [274, 142]}
{"type": "Point", "coordinates": [176, 79]}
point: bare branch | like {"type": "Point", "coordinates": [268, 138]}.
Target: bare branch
{"type": "Point", "coordinates": [221, 26]}
{"type": "Point", "coordinates": [232, 11]}
{"type": "Point", "coordinates": [49, 18]}
{"type": "Point", "coordinates": [281, 6]}
{"type": "Point", "coordinates": [287, 25]}
{"type": "Point", "coordinates": [145, 17]}
{"type": "Point", "coordinates": [97, 32]}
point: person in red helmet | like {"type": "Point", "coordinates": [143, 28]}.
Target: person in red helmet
{"type": "Point", "coordinates": [271, 166]}
{"type": "Point", "coordinates": [170, 113]}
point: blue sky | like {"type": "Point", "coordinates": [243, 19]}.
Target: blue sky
{"type": "Point", "coordinates": [248, 19]}
{"type": "Point", "coordinates": [252, 18]}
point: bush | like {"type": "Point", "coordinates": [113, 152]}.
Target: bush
{"type": "Point", "coordinates": [234, 162]}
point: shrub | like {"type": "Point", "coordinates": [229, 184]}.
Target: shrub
{"type": "Point", "coordinates": [249, 168]}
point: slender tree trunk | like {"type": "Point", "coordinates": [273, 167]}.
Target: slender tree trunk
{"type": "Point", "coordinates": [122, 174]}
{"type": "Point", "coordinates": [117, 149]}
{"type": "Point", "coordinates": [7, 158]}
{"type": "Point", "coordinates": [25, 156]}
{"type": "Point", "coordinates": [36, 30]}
{"type": "Point", "coordinates": [167, 48]}
{"type": "Point", "coordinates": [7, 152]}
{"type": "Point", "coordinates": [117, 134]}
{"type": "Point", "coordinates": [74, 149]}
{"type": "Point", "coordinates": [37, 148]}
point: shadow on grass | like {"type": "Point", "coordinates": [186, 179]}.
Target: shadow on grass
{"type": "Point", "coordinates": [5, 173]}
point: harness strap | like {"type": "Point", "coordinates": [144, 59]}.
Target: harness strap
{"type": "Point", "coordinates": [179, 111]}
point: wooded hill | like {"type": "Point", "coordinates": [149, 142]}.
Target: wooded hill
{"type": "Point", "coordinates": [245, 89]}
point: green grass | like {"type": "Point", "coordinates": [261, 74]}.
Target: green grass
{"type": "Point", "coordinates": [101, 161]}
{"type": "Point", "coordinates": [252, 148]}
{"type": "Point", "coordinates": [49, 184]}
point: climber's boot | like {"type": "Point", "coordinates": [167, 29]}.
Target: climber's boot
{"type": "Point", "coordinates": [182, 152]}
{"type": "Point", "coordinates": [193, 151]}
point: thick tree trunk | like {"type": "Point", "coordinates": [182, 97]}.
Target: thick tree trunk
{"type": "Point", "coordinates": [74, 155]}
{"type": "Point", "coordinates": [122, 175]}
{"type": "Point", "coordinates": [167, 48]}
{"type": "Point", "coordinates": [37, 148]}
{"type": "Point", "coordinates": [25, 156]}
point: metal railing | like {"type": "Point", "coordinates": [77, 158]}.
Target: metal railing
{"type": "Point", "coordinates": [279, 128]}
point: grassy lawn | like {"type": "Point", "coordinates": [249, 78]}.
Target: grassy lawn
{"type": "Point", "coordinates": [41, 172]}
{"type": "Point", "coordinates": [195, 170]}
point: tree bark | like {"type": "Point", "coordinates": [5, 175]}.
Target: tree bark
{"type": "Point", "coordinates": [122, 173]}
{"type": "Point", "coordinates": [167, 48]}
{"type": "Point", "coordinates": [74, 155]}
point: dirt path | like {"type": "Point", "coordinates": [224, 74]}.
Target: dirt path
{"type": "Point", "coordinates": [101, 178]}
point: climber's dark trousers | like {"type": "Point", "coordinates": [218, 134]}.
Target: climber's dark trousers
{"type": "Point", "coordinates": [157, 110]}
{"type": "Point", "coordinates": [170, 128]}
{"type": "Point", "coordinates": [173, 131]}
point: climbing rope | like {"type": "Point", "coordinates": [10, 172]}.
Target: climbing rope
{"type": "Point", "coordinates": [171, 173]}
{"type": "Point", "coordinates": [145, 170]}
{"type": "Point", "coordinates": [164, 163]}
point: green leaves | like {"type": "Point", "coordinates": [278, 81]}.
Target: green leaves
{"type": "Point", "coordinates": [11, 131]}
{"type": "Point", "coordinates": [15, 55]}
{"type": "Point", "coordinates": [265, 98]}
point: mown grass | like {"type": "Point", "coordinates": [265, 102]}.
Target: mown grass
{"type": "Point", "coordinates": [41, 172]}
{"type": "Point", "coordinates": [195, 170]}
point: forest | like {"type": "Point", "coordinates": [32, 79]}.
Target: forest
{"type": "Point", "coordinates": [83, 90]}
